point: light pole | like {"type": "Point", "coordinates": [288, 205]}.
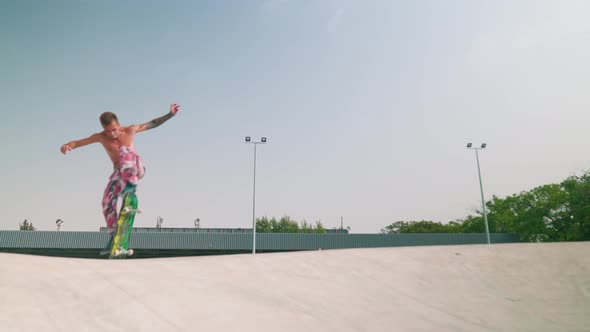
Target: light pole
{"type": "Point", "coordinates": [483, 202]}
{"type": "Point", "coordinates": [58, 222]}
{"type": "Point", "coordinates": [262, 141]}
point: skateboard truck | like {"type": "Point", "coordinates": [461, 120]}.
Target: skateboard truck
{"type": "Point", "coordinates": [129, 209]}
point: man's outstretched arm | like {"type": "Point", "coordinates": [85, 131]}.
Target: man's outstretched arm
{"type": "Point", "coordinates": [79, 143]}
{"type": "Point", "coordinates": [158, 121]}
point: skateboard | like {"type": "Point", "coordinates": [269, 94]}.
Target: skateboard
{"type": "Point", "coordinates": [119, 242]}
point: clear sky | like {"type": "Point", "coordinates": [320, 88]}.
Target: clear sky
{"type": "Point", "coordinates": [367, 106]}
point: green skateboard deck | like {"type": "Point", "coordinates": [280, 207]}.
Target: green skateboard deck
{"type": "Point", "coordinates": [120, 240]}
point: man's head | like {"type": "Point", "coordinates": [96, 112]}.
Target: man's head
{"type": "Point", "coordinates": [110, 124]}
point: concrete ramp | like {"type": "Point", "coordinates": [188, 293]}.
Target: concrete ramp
{"type": "Point", "coordinates": [507, 287]}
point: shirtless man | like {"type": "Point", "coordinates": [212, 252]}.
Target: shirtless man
{"type": "Point", "coordinates": [128, 167]}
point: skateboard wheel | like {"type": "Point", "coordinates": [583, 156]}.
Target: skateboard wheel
{"type": "Point", "coordinates": [122, 252]}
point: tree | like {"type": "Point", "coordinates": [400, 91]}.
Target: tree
{"type": "Point", "coordinates": [575, 223]}
{"type": "Point", "coordinates": [308, 228]}
{"type": "Point", "coordinates": [424, 226]}
{"type": "Point", "coordinates": [265, 225]}
{"type": "Point", "coordinates": [287, 225]}
{"type": "Point", "coordinates": [27, 226]}
{"type": "Point", "coordinates": [534, 215]}
{"type": "Point", "coordinates": [319, 227]}
{"type": "Point", "coordinates": [551, 212]}
{"type": "Point", "coordinates": [473, 224]}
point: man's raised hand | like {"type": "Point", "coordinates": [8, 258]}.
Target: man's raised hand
{"type": "Point", "coordinates": [174, 108]}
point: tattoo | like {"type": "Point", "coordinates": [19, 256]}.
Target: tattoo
{"type": "Point", "coordinates": [158, 121]}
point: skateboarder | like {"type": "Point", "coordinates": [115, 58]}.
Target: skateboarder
{"type": "Point", "coordinates": [128, 167]}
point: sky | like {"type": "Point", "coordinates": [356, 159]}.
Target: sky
{"type": "Point", "coordinates": [367, 107]}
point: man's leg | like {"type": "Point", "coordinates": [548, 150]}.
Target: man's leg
{"type": "Point", "coordinates": [131, 171]}
{"type": "Point", "coordinates": [109, 201]}
{"type": "Point", "coordinates": [109, 208]}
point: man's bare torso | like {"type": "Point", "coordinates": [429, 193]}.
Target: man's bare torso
{"type": "Point", "coordinates": [112, 145]}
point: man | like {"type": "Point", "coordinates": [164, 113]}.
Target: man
{"type": "Point", "coordinates": [128, 167]}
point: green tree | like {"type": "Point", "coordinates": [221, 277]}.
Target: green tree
{"type": "Point", "coordinates": [287, 225]}
{"type": "Point", "coordinates": [551, 212]}
{"type": "Point", "coordinates": [27, 226]}
{"type": "Point", "coordinates": [395, 228]}
{"type": "Point", "coordinates": [473, 224]}
{"type": "Point", "coordinates": [455, 226]}
{"type": "Point", "coordinates": [319, 227]}
{"type": "Point", "coordinates": [575, 222]}
{"type": "Point", "coordinates": [265, 225]}
{"type": "Point", "coordinates": [423, 226]}
{"type": "Point", "coordinates": [309, 228]}
{"type": "Point", "coordinates": [535, 215]}
{"type": "Point", "coordinates": [306, 228]}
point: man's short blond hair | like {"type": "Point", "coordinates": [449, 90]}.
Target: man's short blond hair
{"type": "Point", "coordinates": [107, 118]}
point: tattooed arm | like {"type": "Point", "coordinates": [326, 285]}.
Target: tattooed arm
{"type": "Point", "coordinates": [158, 121]}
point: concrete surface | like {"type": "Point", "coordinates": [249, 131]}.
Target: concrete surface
{"type": "Point", "coordinates": [508, 287]}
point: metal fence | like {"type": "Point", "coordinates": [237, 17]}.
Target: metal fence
{"type": "Point", "coordinates": [238, 241]}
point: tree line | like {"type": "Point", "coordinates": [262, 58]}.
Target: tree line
{"type": "Point", "coordinates": [287, 225]}
{"type": "Point", "coordinates": [547, 213]}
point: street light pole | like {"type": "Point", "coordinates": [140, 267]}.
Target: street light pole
{"type": "Point", "coordinates": [262, 141]}
{"type": "Point", "coordinates": [58, 222]}
{"type": "Point", "coordinates": [483, 202]}
{"type": "Point", "coordinates": [254, 206]}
